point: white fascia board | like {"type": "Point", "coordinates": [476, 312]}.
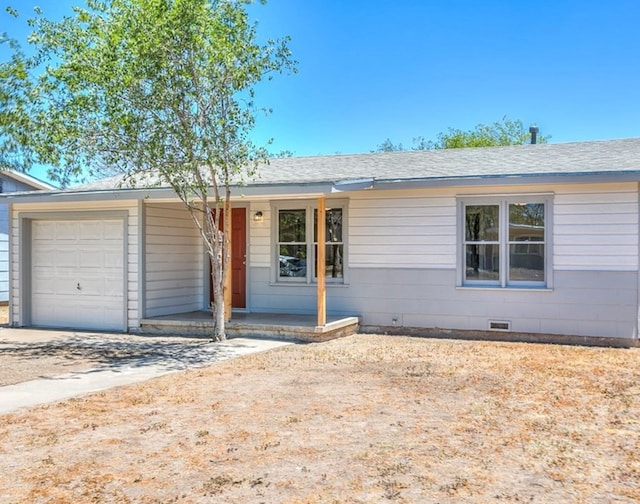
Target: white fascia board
{"type": "Point", "coordinates": [28, 180]}
{"type": "Point", "coordinates": [269, 191]}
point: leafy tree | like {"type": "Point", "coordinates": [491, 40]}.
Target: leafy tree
{"type": "Point", "coordinates": [500, 133]}
{"type": "Point", "coordinates": [421, 143]}
{"type": "Point", "coordinates": [285, 153]}
{"type": "Point", "coordinates": [505, 132]}
{"type": "Point", "coordinates": [14, 121]}
{"type": "Point", "coordinates": [389, 146]}
{"type": "Point", "coordinates": [159, 90]}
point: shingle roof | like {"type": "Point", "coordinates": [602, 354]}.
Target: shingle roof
{"type": "Point", "coordinates": [598, 157]}
{"type": "Point", "coordinates": [542, 159]}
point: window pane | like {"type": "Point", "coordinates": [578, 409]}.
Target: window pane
{"type": "Point", "coordinates": [526, 262]}
{"type": "Point", "coordinates": [293, 260]}
{"type": "Point", "coordinates": [333, 261]}
{"type": "Point", "coordinates": [483, 262]}
{"type": "Point", "coordinates": [333, 222]}
{"type": "Point", "coordinates": [291, 226]}
{"type": "Point", "coordinates": [526, 222]}
{"type": "Point", "coordinates": [481, 223]}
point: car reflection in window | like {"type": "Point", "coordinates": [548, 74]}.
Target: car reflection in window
{"type": "Point", "coordinates": [292, 267]}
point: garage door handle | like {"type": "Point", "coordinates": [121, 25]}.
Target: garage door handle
{"type": "Point", "coordinates": [78, 287]}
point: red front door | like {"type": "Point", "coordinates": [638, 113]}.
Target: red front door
{"type": "Point", "coordinates": [238, 259]}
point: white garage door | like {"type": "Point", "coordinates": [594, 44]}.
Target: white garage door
{"type": "Point", "coordinates": [77, 277]}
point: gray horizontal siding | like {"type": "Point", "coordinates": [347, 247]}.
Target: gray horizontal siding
{"type": "Point", "coordinates": [8, 185]}
{"type": "Point", "coordinates": [174, 273]}
{"type": "Point", "coordinates": [402, 230]}
{"type": "Point", "coordinates": [583, 303]}
{"type": "Point", "coordinates": [4, 253]}
{"type": "Point", "coordinates": [596, 228]}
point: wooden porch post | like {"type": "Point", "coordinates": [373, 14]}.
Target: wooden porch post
{"type": "Point", "coordinates": [227, 282]}
{"type": "Point", "coordinates": [320, 260]}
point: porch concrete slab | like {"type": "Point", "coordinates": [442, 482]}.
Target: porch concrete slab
{"type": "Point", "coordinates": [294, 327]}
{"type": "Point", "coordinates": [143, 358]}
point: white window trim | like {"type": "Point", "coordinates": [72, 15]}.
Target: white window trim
{"type": "Point", "coordinates": [309, 206]}
{"type": "Point", "coordinates": [503, 201]}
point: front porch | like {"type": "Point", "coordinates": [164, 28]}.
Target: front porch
{"type": "Point", "coordinates": [258, 325]}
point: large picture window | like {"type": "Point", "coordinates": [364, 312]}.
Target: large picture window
{"type": "Point", "coordinates": [505, 241]}
{"type": "Point", "coordinates": [297, 246]}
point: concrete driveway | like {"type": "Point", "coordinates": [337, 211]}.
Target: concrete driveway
{"type": "Point", "coordinates": [107, 360]}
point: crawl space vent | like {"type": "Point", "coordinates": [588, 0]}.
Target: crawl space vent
{"type": "Point", "coordinates": [499, 325]}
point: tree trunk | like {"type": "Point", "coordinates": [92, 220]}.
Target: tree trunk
{"type": "Point", "coordinates": [219, 321]}
{"type": "Point", "coordinates": [217, 274]}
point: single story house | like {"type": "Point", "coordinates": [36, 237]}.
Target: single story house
{"type": "Point", "coordinates": [12, 181]}
{"type": "Point", "coordinates": [538, 240]}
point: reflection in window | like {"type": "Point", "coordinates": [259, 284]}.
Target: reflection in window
{"type": "Point", "coordinates": [482, 251]}
{"type": "Point", "coordinates": [292, 247]}
{"type": "Point", "coordinates": [482, 223]}
{"type": "Point", "coordinates": [297, 242]}
{"type": "Point", "coordinates": [526, 242]}
{"type": "Point", "coordinates": [483, 262]}
{"type": "Point", "coordinates": [504, 242]}
{"type": "Point", "coordinates": [334, 248]}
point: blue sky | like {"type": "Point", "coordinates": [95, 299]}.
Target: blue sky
{"type": "Point", "coordinates": [405, 68]}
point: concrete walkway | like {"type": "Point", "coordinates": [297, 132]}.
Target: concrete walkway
{"type": "Point", "coordinates": [122, 359]}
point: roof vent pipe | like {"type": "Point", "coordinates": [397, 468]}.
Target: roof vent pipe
{"type": "Point", "coordinates": [533, 129]}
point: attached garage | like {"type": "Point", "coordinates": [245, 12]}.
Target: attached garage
{"type": "Point", "coordinates": [76, 276]}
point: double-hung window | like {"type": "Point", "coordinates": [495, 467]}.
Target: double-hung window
{"type": "Point", "coordinates": [297, 242]}
{"type": "Point", "coordinates": [505, 241]}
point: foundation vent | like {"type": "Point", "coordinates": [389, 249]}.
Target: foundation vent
{"type": "Point", "coordinates": [499, 325]}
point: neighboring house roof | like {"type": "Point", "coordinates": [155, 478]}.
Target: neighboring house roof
{"type": "Point", "coordinates": [597, 160]}
{"type": "Point", "coordinates": [27, 180]}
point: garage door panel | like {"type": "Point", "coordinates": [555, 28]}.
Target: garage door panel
{"type": "Point", "coordinates": [66, 231]}
{"type": "Point", "coordinates": [81, 316]}
{"type": "Point", "coordinates": [43, 285]}
{"type": "Point", "coordinates": [43, 230]}
{"type": "Point", "coordinates": [91, 231]}
{"type": "Point", "coordinates": [64, 259]}
{"type": "Point", "coordinates": [42, 256]}
{"type": "Point", "coordinates": [84, 253]}
{"type": "Point", "coordinates": [112, 230]}
{"type": "Point", "coordinates": [113, 258]}
{"type": "Point", "coordinates": [113, 286]}
{"type": "Point", "coordinates": [90, 258]}
{"type": "Point", "coordinates": [43, 310]}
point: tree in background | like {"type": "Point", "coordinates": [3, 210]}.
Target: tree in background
{"type": "Point", "coordinates": [158, 90]}
{"type": "Point", "coordinates": [14, 119]}
{"type": "Point", "coordinates": [389, 146]}
{"type": "Point", "coordinates": [500, 133]}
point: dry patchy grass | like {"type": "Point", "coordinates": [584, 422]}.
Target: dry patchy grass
{"type": "Point", "coordinates": [364, 419]}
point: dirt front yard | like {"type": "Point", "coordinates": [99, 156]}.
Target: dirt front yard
{"type": "Point", "coordinates": [363, 419]}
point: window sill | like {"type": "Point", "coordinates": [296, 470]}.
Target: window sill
{"type": "Point", "coordinates": [498, 288]}
{"type": "Point", "coordinates": [305, 284]}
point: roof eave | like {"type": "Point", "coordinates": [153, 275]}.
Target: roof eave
{"type": "Point", "coordinates": [28, 180]}
{"type": "Point", "coordinates": [237, 192]}
{"type": "Point", "coordinates": [283, 190]}
{"type": "Point", "coordinates": [515, 179]}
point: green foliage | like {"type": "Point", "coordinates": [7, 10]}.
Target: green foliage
{"type": "Point", "coordinates": [389, 146]}
{"type": "Point", "coordinates": [15, 94]}
{"type": "Point", "coordinates": [145, 85]}
{"type": "Point", "coordinates": [160, 90]}
{"type": "Point", "coordinates": [285, 153]}
{"type": "Point", "coordinates": [500, 133]}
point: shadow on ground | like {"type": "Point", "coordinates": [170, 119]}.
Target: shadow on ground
{"type": "Point", "coordinates": [132, 352]}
